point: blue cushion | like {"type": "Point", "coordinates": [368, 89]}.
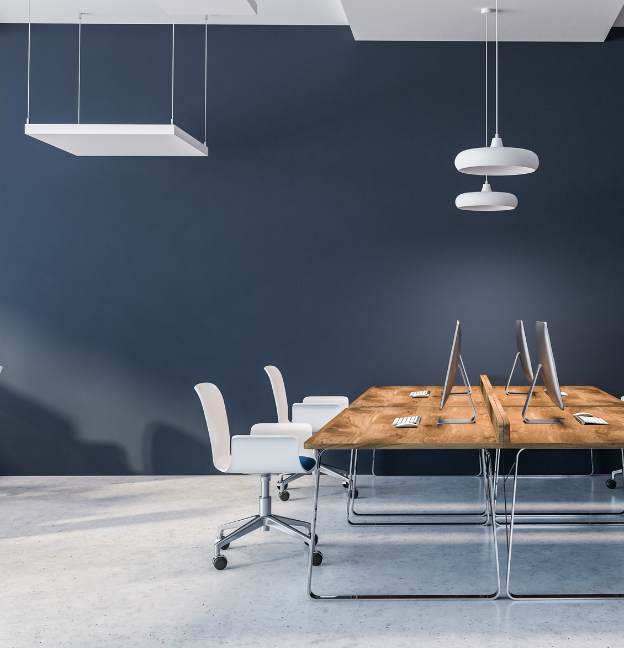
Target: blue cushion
{"type": "Point", "coordinates": [307, 463]}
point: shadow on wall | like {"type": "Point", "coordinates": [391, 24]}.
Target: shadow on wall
{"type": "Point", "coordinates": [37, 441]}
{"type": "Point", "coordinates": [168, 450]}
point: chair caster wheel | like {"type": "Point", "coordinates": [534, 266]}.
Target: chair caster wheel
{"type": "Point", "coordinates": [225, 546]}
{"type": "Point", "coordinates": [317, 558]}
{"type": "Point", "coordinates": [356, 494]}
{"type": "Point", "coordinates": [307, 544]}
{"type": "Point", "coordinates": [611, 483]}
{"type": "Point", "coordinates": [220, 562]}
{"type": "Point", "coordinates": [345, 484]}
{"type": "Point", "coordinates": [284, 495]}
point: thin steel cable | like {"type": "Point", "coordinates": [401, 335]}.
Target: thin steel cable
{"type": "Point", "coordinates": [172, 67]}
{"type": "Point", "coordinates": [28, 91]}
{"type": "Point", "coordinates": [205, 81]}
{"type": "Point", "coordinates": [496, 68]}
{"type": "Point", "coordinates": [79, 48]}
{"type": "Point", "coordinates": [486, 82]}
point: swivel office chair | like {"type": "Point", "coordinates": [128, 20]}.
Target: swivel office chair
{"type": "Point", "coordinates": [270, 449]}
{"type": "Point", "coordinates": [316, 411]}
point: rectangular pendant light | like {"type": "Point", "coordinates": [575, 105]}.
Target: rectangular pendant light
{"type": "Point", "coordinates": [149, 140]}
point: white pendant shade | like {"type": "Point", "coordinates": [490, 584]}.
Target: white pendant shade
{"type": "Point", "coordinates": [486, 200]}
{"type": "Point", "coordinates": [118, 139]}
{"type": "Point", "coordinates": [496, 160]}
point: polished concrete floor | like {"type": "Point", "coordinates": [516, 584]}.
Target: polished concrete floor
{"type": "Point", "coordinates": [127, 562]}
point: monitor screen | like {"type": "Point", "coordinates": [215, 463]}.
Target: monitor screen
{"type": "Point", "coordinates": [523, 350]}
{"type": "Point", "coordinates": [547, 360]}
{"type": "Point", "coordinates": [452, 366]}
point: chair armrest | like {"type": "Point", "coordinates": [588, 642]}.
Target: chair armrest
{"type": "Point", "coordinates": [265, 454]}
{"type": "Point", "coordinates": [338, 400]}
{"type": "Point", "coordinates": [316, 414]}
{"type": "Point", "coordinates": [301, 430]}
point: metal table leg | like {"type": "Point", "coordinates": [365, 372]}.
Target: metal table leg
{"type": "Point", "coordinates": [513, 596]}
{"type": "Point", "coordinates": [334, 597]}
{"type": "Point", "coordinates": [352, 513]}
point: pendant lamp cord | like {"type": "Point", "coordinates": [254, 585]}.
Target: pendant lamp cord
{"type": "Point", "coordinates": [486, 84]}
{"type": "Point", "coordinates": [486, 79]}
{"type": "Point", "coordinates": [172, 66]}
{"type": "Point", "coordinates": [28, 90]}
{"type": "Point", "coordinates": [496, 68]}
{"type": "Point", "coordinates": [205, 79]}
{"type": "Point", "coordinates": [79, 48]}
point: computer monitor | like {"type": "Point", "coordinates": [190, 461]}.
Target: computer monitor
{"type": "Point", "coordinates": [525, 359]}
{"type": "Point", "coordinates": [548, 368]}
{"type": "Point", "coordinates": [546, 358]}
{"type": "Point", "coordinates": [455, 362]}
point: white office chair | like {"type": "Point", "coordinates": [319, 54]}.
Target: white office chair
{"type": "Point", "coordinates": [270, 449]}
{"type": "Point", "coordinates": [315, 410]}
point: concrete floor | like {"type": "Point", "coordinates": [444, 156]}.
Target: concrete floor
{"type": "Point", "coordinates": [127, 562]}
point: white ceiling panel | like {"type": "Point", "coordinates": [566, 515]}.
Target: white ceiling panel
{"type": "Point", "coordinates": [461, 20]}
{"type": "Point", "coordinates": [209, 7]}
{"type": "Point", "coordinates": [270, 12]}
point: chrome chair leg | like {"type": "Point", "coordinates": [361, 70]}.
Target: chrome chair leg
{"type": "Point", "coordinates": [236, 523]}
{"type": "Point", "coordinates": [277, 524]}
{"type": "Point", "coordinates": [294, 523]}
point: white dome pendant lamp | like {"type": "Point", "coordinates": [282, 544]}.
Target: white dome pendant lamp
{"type": "Point", "coordinates": [486, 199]}
{"type": "Point", "coordinates": [496, 159]}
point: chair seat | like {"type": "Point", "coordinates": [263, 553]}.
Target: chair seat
{"type": "Point", "coordinates": [307, 463]}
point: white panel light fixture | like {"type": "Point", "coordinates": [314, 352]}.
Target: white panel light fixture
{"type": "Point", "coordinates": [496, 159]}
{"type": "Point", "coordinates": [153, 140]}
{"type": "Point", "coordinates": [486, 199]}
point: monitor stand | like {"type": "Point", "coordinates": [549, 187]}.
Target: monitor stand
{"type": "Point", "coordinates": [528, 400]}
{"type": "Point", "coordinates": [468, 392]}
{"type": "Point", "coordinates": [509, 393]}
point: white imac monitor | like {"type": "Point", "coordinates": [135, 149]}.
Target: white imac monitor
{"type": "Point", "coordinates": [455, 362]}
{"type": "Point", "coordinates": [525, 359]}
{"type": "Point", "coordinates": [548, 368]}
{"type": "Point", "coordinates": [546, 358]}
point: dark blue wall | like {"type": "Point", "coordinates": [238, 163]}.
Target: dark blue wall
{"type": "Point", "coordinates": [320, 235]}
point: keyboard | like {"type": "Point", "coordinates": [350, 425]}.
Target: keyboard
{"type": "Point", "coordinates": [586, 418]}
{"type": "Point", "coordinates": [406, 421]}
{"type": "Point", "coordinates": [420, 394]}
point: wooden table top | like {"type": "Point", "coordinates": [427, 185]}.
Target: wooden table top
{"type": "Point", "coordinates": [571, 434]}
{"type": "Point", "coordinates": [367, 423]}
{"type": "Point", "coordinates": [371, 428]}
{"type": "Point", "coordinates": [400, 397]}
{"type": "Point", "coordinates": [577, 397]}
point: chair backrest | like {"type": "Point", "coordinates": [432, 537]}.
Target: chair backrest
{"type": "Point", "coordinates": [279, 393]}
{"type": "Point", "coordinates": [216, 420]}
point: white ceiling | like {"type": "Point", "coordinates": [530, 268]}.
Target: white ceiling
{"type": "Point", "coordinates": [461, 20]}
{"type": "Point", "coordinates": [270, 12]}
{"type": "Point", "coordinates": [387, 20]}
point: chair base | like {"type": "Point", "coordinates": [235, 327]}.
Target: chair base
{"type": "Point", "coordinates": [265, 520]}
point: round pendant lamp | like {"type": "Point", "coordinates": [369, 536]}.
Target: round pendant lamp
{"type": "Point", "coordinates": [486, 200]}
{"type": "Point", "coordinates": [496, 159]}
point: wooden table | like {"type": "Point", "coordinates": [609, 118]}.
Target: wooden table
{"type": "Point", "coordinates": [368, 424]}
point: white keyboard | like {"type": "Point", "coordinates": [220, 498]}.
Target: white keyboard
{"type": "Point", "coordinates": [420, 394]}
{"type": "Point", "coordinates": [406, 421]}
{"type": "Point", "coordinates": [587, 419]}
